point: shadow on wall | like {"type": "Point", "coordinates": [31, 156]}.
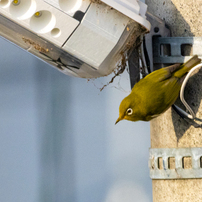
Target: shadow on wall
{"type": "Point", "coordinates": [171, 13]}
{"type": "Point", "coordinates": [193, 96]}
{"type": "Point", "coordinates": [175, 13]}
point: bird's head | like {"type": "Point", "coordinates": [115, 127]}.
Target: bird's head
{"type": "Point", "coordinates": [127, 110]}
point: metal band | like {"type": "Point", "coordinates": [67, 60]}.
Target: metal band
{"type": "Point", "coordinates": [187, 163]}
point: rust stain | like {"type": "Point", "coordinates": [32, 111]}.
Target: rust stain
{"type": "Point", "coordinates": [35, 45]}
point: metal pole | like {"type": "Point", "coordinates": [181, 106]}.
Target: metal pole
{"type": "Point", "coordinates": [169, 130]}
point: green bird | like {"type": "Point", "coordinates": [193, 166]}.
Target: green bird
{"type": "Point", "coordinates": [155, 93]}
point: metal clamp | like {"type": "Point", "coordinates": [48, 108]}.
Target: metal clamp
{"type": "Point", "coordinates": [175, 163]}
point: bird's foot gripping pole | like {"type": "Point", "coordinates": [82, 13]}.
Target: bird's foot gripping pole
{"type": "Point", "coordinates": [159, 50]}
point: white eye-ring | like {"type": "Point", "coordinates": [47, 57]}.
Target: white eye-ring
{"type": "Point", "coordinates": [129, 111]}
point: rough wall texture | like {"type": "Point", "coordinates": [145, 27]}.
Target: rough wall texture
{"type": "Point", "coordinates": [169, 130]}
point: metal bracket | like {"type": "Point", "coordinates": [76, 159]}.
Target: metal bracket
{"type": "Point", "coordinates": [175, 163]}
{"type": "Point", "coordinates": [169, 50]}
{"type": "Point", "coordinates": [160, 48]}
{"type": "Point", "coordinates": [158, 29]}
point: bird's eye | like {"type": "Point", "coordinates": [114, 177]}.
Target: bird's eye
{"type": "Point", "coordinates": [129, 111]}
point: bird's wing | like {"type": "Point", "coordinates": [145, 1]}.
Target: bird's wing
{"type": "Point", "coordinates": [156, 76]}
{"type": "Point", "coordinates": [166, 72]}
{"type": "Point", "coordinates": [173, 68]}
{"type": "Point", "coordinates": [156, 97]}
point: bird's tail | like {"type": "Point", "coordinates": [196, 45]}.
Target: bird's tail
{"type": "Point", "coordinates": [187, 66]}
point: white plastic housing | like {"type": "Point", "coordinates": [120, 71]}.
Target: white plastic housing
{"type": "Point", "coordinates": [97, 35]}
{"type": "Point", "coordinates": [79, 37]}
{"type": "Point", "coordinates": [134, 9]}
{"type": "Point", "coordinates": [50, 23]}
{"type": "Point", "coordinates": [70, 7]}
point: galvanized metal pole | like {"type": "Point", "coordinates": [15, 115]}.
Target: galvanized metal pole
{"type": "Point", "coordinates": [169, 130]}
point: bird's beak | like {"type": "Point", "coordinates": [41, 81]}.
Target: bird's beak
{"type": "Point", "coordinates": [119, 119]}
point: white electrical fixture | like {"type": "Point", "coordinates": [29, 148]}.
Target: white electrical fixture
{"type": "Point", "coordinates": [82, 38]}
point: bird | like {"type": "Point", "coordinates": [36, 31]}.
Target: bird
{"type": "Point", "coordinates": [155, 93]}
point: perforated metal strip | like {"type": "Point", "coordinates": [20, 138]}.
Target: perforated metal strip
{"type": "Point", "coordinates": [160, 166]}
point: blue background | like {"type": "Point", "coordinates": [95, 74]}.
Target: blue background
{"type": "Point", "coordinates": [58, 141]}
